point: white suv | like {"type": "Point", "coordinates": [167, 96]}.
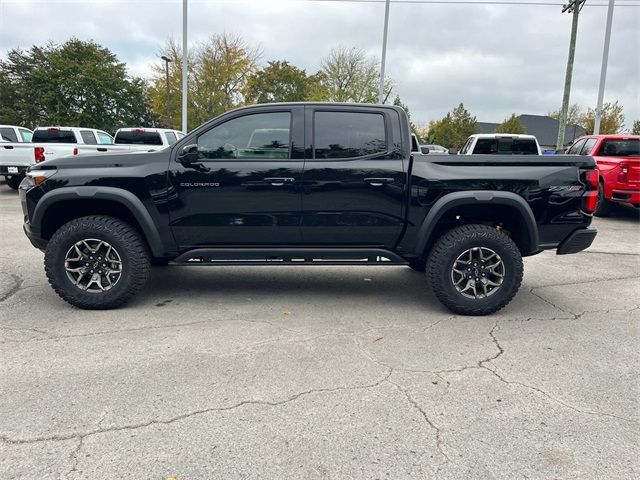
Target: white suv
{"type": "Point", "coordinates": [500, 144]}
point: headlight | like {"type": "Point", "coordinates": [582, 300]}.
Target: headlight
{"type": "Point", "coordinates": [40, 176]}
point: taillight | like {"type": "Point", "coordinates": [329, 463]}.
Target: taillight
{"type": "Point", "coordinates": [590, 197]}
{"type": "Point", "coordinates": [75, 150]}
{"type": "Point", "coordinates": [623, 174]}
{"type": "Point", "coordinates": [38, 152]}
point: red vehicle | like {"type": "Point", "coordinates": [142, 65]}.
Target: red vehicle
{"type": "Point", "coordinates": [618, 160]}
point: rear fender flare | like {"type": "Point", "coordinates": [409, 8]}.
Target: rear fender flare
{"type": "Point", "coordinates": [123, 197]}
{"type": "Point", "coordinates": [482, 197]}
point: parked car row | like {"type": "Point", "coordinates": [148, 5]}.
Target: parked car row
{"type": "Point", "coordinates": [20, 147]}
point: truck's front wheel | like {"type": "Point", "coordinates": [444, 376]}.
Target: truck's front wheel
{"type": "Point", "coordinates": [96, 262]}
{"type": "Point", "coordinates": [475, 269]}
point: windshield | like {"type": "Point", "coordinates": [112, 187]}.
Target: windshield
{"type": "Point", "coordinates": [620, 148]}
{"type": "Point", "coordinates": [138, 137]}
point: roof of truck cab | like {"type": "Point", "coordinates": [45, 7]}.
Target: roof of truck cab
{"type": "Point", "coordinates": [502, 135]}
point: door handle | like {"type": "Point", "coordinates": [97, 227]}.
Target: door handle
{"type": "Point", "coordinates": [279, 181]}
{"type": "Point", "coordinates": [8, 147]}
{"type": "Point", "coordinates": [378, 182]}
{"type": "Point", "coordinates": [102, 149]}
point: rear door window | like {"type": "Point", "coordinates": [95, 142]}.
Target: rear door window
{"type": "Point", "coordinates": [576, 147]}
{"type": "Point", "coordinates": [348, 134]}
{"type": "Point", "coordinates": [588, 146]}
{"type": "Point", "coordinates": [138, 137]}
{"type": "Point", "coordinates": [171, 137]}
{"type": "Point", "coordinates": [54, 135]}
{"type": "Point", "coordinates": [25, 134]}
{"type": "Point", "coordinates": [8, 134]}
{"type": "Point", "coordinates": [88, 137]}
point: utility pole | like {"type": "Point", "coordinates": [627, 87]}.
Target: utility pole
{"type": "Point", "coordinates": [384, 52]}
{"type": "Point", "coordinates": [603, 70]}
{"type": "Point", "coordinates": [185, 65]}
{"type": "Point", "coordinates": [166, 69]}
{"type": "Point", "coordinates": [574, 7]}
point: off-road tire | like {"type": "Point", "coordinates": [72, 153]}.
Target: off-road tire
{"type": "Point", "coordinates": [604, 207]}
{"type": "Point", "coordinates": [418, 264]}
{"type": "Point", "coordinates": [126, 240]}
{"type": "Point", "coordinates": [452, 244]}
{"type": "Point", "coordinates": [14, 181]}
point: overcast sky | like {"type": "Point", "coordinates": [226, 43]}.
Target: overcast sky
{"type": "Point", "coordinates": [497, 59]}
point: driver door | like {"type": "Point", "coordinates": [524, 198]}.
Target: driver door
{"type": "Point", "coordinates": [244, 188]}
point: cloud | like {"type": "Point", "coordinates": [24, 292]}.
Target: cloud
{"type": "Point", "coordinates": [497, 59]}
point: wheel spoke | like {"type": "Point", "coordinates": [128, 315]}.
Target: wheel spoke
{"type": "Point", "coordinates": [93, 265]}
{"type": "Point", "coordinates": [470, 265]}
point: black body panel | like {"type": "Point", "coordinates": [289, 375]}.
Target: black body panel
{"type": "Point", "coordinates": [274, 197]}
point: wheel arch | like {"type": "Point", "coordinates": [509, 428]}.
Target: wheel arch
{"type": "Point", "coordinates": [510, 207]}
{"type": "Point", "coordinates": [73, 202]}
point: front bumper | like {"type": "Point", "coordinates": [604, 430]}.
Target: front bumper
{"type": "Point", "coordinates": [579, 240]}
{"type": "Point", "coordinates": [34, 236]}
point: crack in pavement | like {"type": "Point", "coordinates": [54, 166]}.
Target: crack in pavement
{"type": "Point", "coordinates": [434, 427]}
{"type": "Point", "coordinates": [4, 438]}
{"type": "Point", "coordinates": [18, 281]}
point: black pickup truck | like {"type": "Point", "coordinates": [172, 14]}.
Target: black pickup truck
{"type": "Point", "coordinates": [306, 184]}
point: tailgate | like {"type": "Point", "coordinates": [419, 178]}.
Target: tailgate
{"type": "Point", "coordinates": [633, 169]}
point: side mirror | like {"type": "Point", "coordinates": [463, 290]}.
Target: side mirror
{"type": "Point", "coordinates": [188, 154]}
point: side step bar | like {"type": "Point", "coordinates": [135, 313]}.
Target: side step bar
{"type": "Point", "coordinates": [289, 256]}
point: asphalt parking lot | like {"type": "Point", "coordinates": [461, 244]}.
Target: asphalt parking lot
{"type": "Point", "coordinates": [323, 372]}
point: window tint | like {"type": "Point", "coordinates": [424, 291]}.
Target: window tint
{"type": "Point", "coordinates": [258, 136]}
{"type": "Point", "coordinates": [138, 136]}
{"type": "Point", "coordinates": [620, 148]}
{"type": "Point", "coordinates": [88, 137]}
{"type": "Point", "coordinates": [506, 146]}
{"type": "Point", "coordinates": [104, 138]}
{"type": "Point", "coordinates": [575, 148]}
{"type": "Point", "coordinates": [348, 134]}
{"type": "Point", "coordinates": [466, 146]}
{"type": "Point", "coordinates": [171, 137]}
{"type": "Point", "coordinates": [588, 146]}
{"type": "Point", "coordinates": [54, 135]}
{"type": "Point", "coordinates": [180, 135]}
{"type": "Point", "coordinates": [8, 134]}
{"type": "Point", "coordinates": [25, 134]}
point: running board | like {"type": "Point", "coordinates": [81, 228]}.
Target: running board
{"type": "Point", "coordinates": [289, 256]}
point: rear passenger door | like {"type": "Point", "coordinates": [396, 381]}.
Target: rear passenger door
{"type": "Point", "coordinates": [353, 181]}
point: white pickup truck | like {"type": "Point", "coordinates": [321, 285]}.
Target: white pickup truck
{"type": "Point", "coordinates": [500, 144]}
{"type": "Point", "coordinates": [54, 142]}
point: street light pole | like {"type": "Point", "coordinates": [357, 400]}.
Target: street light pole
{"type": "Point", "coordinates": [603, 70]}
{"type": "Point", "coordinates": [573, 6]}
{"type": "Point", "coordinates": [185, 65]}
{"type": "Point", "coordinates": [166, 69]}
{"type": "Point", "coordinates": [384, 52]}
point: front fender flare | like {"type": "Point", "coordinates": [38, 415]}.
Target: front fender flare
{"type": "Point", "coordinates": [124, 197]}
{"type": "Point", "coordinates": [481, 197]}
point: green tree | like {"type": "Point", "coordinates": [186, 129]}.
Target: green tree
{"type": "Point", "coordinates": [398, 103]}
{"type": "Point", "coordinates": [77, 83]}
{"type": "Point", "coordinates": [348, 75]}
{"type": "Point", "coordinates": [574, 114]}
{"type": "Point", "coordinates": [612, 120]}
{"type": "Point", "coordinates": [218, 72]}
{"type": "Point", "coordinates": [452, 130]}
{"type": "Point", "coordinates": [511, 125]}
{"type": "Point", "coordinates": [279, 81]}
{"type": "Point", "coordinates": [636, 128]}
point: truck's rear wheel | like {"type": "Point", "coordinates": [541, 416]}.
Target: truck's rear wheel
{"type": "Point", "coordinates": [604, 206]}
{"type": "Point", "coordinates": [475, 269]}
{"type": "Point", "coordinates": [96, 262]}
{"type": "Point", "coordinates": [14, 181]}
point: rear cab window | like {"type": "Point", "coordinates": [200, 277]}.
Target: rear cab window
{"type": "Point", "coordinates": [348, 134]}
{"type": "Point", "coordinates": [506, 146]}
{"type": "Point", "coordinates": [54, 135]}
{"type": "Point", "coordinates": [138, 137]}
{"type": "Point", "coordinates": [620, 148]}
